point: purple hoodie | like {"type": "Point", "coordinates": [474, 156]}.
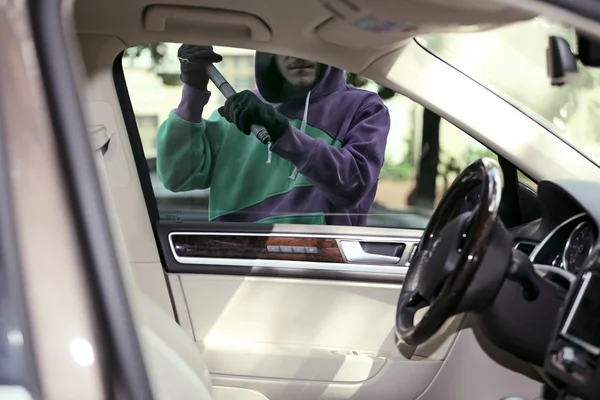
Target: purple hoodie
{"type": "Point", "coordinates": [338, 156]}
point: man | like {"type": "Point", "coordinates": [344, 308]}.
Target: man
{"type": "Point", "coordinates": [322, 167]}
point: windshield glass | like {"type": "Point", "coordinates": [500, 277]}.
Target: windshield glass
{"type": "Point", "coordinates": [511, 61]}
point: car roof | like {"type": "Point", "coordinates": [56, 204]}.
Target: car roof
{"type": "Point", "coordinates": [350, 34]}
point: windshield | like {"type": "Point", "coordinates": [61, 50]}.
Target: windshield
{"type": "Point", "coordinates": [511, 61]}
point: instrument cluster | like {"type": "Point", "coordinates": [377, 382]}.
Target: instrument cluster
{"type": "Point", "coordinates": [578, 247]}
{"type": "Point", "coordinates": [568, 245]}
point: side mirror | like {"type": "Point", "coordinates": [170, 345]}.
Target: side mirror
{"type": "Point", "coordinates": [562, 63]}
{"type": "Point", "coordinates": [589, 50]}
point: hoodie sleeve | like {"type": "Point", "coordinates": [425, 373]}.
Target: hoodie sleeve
{"type": "Point", "coordinates": [187, 145]}
{"type": "Point", "coordinates": [192, 104]}
{"type": "Point", "coordinates": [344, 174]}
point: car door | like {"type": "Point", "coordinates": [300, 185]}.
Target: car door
{"type": "Point", "coordinates": [291, 311]}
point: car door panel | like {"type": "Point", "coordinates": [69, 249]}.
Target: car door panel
{"type": "Point", "coordinates": [291, 329]}
{"type": "Point", "coordinates": [314, 318]}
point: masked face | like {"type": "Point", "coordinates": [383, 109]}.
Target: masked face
{"type": "Point", "coordinates": [299, 73]}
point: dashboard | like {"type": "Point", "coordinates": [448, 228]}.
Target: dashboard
{"type": "Point", "coordinates": [564, 332]}
{"type": "Point", "coordinates": [567, 232]}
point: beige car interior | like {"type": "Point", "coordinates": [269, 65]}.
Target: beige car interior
{"type": "Point", "coordinates": [215, 336]}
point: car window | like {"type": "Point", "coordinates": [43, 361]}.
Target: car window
{"type": "Point", "coordinates": [491, 58]}
{"type": "Point", "coordinates": [527, 180]}
{"type": "Point", "coordinates": [367, 157]}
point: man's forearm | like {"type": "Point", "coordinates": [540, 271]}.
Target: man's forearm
{"type": "Point", "coordinates": [192, 104]}
{"type": "Point", "coordinates": [341, 173]}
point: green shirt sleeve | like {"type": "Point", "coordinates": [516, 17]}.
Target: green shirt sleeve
{"type": "Point", "coordinates": [187, 151]}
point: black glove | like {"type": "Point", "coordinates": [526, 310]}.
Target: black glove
{"type": "Point", "coordinates": [193, 61]}
{"type": "Point", "coordinates": [244, 109]}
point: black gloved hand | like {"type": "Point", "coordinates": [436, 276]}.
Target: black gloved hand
{"type": "Point", "coordinates": [193, 61]}
{"type": "Point", "coordinates": [244, 109]}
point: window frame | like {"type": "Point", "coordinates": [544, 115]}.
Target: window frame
{"type": "Point", "coordinates": [105, 282]}
{"type": "Point", "coordinates": [135, 139]}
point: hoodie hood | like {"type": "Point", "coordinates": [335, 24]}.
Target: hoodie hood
{"type": "Point", "coordinates": [270, 82]}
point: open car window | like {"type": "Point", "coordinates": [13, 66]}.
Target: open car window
{"type": "Point", "coordinates": [423, 153]}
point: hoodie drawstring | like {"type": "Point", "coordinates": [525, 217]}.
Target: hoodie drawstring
{"type": "Point", "coordinates": [303, 129]}
{"type": "Point", "coordinates": [270, 153]}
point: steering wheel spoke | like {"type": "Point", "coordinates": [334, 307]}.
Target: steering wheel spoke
{"type": "Point", "coordinates": [417, 301]}
{"type": "Point", "coordinates": [408, 305]}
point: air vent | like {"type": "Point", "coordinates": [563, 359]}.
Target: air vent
{"type": "Point", "coordinates": [526, 247]}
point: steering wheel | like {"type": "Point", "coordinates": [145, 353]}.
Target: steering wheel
{"type": "Point", "coordinates": [461, 261]}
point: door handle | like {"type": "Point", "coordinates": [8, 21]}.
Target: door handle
{"type": "Point", "coordinates": [354, 253]}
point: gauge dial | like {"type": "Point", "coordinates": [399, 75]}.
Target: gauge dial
{"type": "Point", "coordinates": [578, 247]}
